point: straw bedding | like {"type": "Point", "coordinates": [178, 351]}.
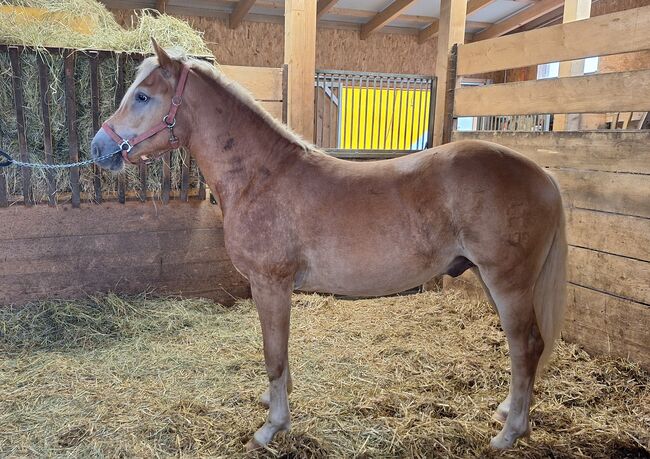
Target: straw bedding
{"type": "Point", "coordinates": [415, 376]}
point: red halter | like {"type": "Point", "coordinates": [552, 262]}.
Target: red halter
{"type": "Point", "coordinates": [126, 145]}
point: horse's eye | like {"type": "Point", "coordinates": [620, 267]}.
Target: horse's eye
{"type": "Point", "coordinates": [142, 97]}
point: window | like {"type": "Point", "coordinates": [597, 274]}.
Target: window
{"type": "Point", "coordinates": [591, 65]}
{"type": "Point", "coordinates": [551, 70]}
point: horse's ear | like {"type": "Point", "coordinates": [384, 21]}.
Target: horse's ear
{"type": "Point", "coordinates": [163, 58]}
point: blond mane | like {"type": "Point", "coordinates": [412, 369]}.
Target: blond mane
{"type": "Point", "coordinates": [240, 93]}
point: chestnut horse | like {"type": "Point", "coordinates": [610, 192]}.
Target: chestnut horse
{"type": "Point", "coordinates": [297, 219]}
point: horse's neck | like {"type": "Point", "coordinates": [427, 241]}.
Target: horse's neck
{"type": "Point", "coordinates": [236, 149]}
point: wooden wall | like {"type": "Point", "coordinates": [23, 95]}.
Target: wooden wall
{"type": "Point", "coordinates": [604, 175]}
{"type": "Point", "coordinates": [128, 248]}
{"type": "Point", "coordinates": [260, 44]}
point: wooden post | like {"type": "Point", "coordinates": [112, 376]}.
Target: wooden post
{"type": "Point", "coordinates": [451, 30]}
{"type": "Point", "coordinates": [574, 10]}
{"type": "Point", "coordinates": [300, 56]}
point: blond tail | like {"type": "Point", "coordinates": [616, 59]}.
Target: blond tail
{"type": "Point", "coordinates": [550, 289]}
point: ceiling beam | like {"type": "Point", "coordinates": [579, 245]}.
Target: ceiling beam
{"type": "Point", "coordinates": [384, 17]}
{"type": "Point", "coordinates": [475, 5]}
{"type": "Point", "coordinates": [518, 19]}
{"type": "Point", "coordinates": [552, 18]}
{"type": "Point", "coordinates": [429, 31]}
{"type": "Point", "coordinates": [324, 6]}
{"type": "Point", "coordinates": [432, 29]}
{"type": "Point", "coordinates": [240, 11]}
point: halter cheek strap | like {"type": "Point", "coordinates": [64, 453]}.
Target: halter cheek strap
{"type": "Point", "coordinates": [168, 122]}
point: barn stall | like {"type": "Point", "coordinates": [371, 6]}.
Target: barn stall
{"type": "Point", "coordinates": [396, 392]}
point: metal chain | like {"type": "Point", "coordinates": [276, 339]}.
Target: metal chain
{"type": "Point", "coordinates": [10, 161]}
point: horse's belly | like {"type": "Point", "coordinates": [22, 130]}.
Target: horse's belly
{"type": "Point", "coordinates": [381, 276]}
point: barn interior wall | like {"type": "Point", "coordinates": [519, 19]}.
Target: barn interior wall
{"type": "Point", "coordinates": [260, 44]}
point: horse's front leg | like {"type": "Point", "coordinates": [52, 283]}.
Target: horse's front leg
{"type": "Point", "coordinates": [273, 301]}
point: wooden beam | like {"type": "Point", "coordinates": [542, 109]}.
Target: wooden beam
{"type": "Point", "coordinates": [574, 10]}
{"type": "Point", "coordinates": [384, 17]}
{"type": "Point", "coordinates": [161, 6]}
{"type": "Point", "coordinates": [615, 33]}
{"type": "Point", "coordinates": [429, 32]}
{"type": "Point", "coordinates": [240, 11]}
{"type": "Point", "coordinates": [300, 57]}
{"type": "Point", "coordinates": [451, 31]}
{"type": "Point", "coordinates": [518, 19]}
{"type": "Point", "coordinates": [324, 6]}
{"type": "Point", "coordinates": [608, 92]}
{"type": "Point", "coordinates": [476, 5]}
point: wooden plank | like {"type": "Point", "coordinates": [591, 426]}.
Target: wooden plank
{"type": "Point", "coordinates": [618, 92]}
{"type": "Point", "coordinates": [324, 6]}
{"type": "Point", "coordinates": [239, 13]}
{"type": "Point", "coordinates": [67, 254]}
{"type": "Point", "coordinates": [167, 177]}
{"type": "Point", "coordinates": [44, 222]}
{"type": "Point", "coordinates": [265, 84]}
{"type": "Point", "coordinates": [451, 32]}
{"type": "Point", "coordinates": [44, 96]}
{"type": "Point", "coordinates": [610, 151]}
{"type": "Point", "coordinates": [95, 98]}
{"type": "Point", "coordinates": [604, 324]}
{"type": "Point", "coordinates": [274, 108]}
{"type": "Point", "coordinates": [615, 33]}
{"type": "Point", "coordinates": [71, 125]}
{"type": "Point", "coordinates": [622, 235]}
{"type": "Point", "coordinates": [384, 17]}
{"type": "Point", "coordinates": [300, 55]}
{"type": "Point", "coordinates": [448, 122]}
{"type": "Point", "coordinates": [620, 276]}
{"type": "Point", "coordinates": [185, 159]}
{"type": "Point", "coordinates": [285, 93]}
{"type": "Point", "coordinates": [120, 89]}
{"type": "Point", "coordinates": [476, 5]}
{"type": "Point", "coordinates": [605, 191]}
{"type": "Point", "coordinates": [511, 23]}
{"type": "Point", "coordinates": [19, 104]}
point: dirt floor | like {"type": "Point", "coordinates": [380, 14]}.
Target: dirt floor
{"type": "Point", "coordinates": [415, 376]}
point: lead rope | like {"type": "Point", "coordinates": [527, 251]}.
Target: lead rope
{"type": "Point", "coordinates": [9, 161]}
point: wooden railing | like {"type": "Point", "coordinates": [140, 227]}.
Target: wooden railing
{"type": "Point", "coordinates": [604, 175]}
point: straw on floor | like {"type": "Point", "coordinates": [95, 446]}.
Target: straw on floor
{"type": "Point", "coordinates": [415, 376]}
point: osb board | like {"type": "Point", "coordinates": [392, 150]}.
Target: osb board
{"type": "Point", "coordinates": [261, 44]}
{"type": "Point", "coordinates": [129, 248]}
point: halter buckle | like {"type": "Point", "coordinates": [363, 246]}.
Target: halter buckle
{"type": "Point", "coordinates": [177, 100]}
{"type": "Point", "coordinates": [169, 125]}
{"type": "Point", "coordinates": [126, 146]}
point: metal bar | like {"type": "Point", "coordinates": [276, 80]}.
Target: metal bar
{"type": "Point", "coordinates": [95, 98]}
{"type": "Point", "coordinates": [374, 110]}
{"type": "Point", "coordinates": [19, 103]}
{"type": "Point", "coordinates": [119, 94]}
{"type": "Point", "coordinates": [71, 124]}
{"type": "Point", "coordinates": [372, 74]}
{"type": "Point", "coordinates": [43, 87]}
{"type": "Point", "coordinates": [417, 102]}
{"type": "Point", "coordinates": [359, 116]}
{"type": "Point", "coordinates": [392, 115]}
{"type": "Point", "coordinates": [363, 106]}
{"type": "Point", "coordinates": [431, 112]}
{"type": "Point", "coordinates": [348, 119]}
{"type": "Point", "coordinates": [316, 114]}
{"type": "Point", "coordinates": [409, 129]}
{"type": "Point", "coordinates": [340, 124]}
{"type": "Point", "coordinates": [185, 174]}
{"type": "Point", "coordinates": [329, 111]}
{"type": "Point", "coordinates": [167, 177]}
{"type": "Point", "coordinates": [399, 114]}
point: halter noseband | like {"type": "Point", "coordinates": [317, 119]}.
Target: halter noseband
{"type": "Point", "coordinates": [126, 145]}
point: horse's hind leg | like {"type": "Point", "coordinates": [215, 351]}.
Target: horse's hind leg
{"type": "Point", "coordinates": [518, 321]}
{"type": "Point", "coordinates": [265, 398]}
{"type": "Point", "coordinates": [501, 413]}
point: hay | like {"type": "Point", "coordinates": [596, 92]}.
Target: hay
{"type": "Point", "coordinates": [415, 376]}
{"type": "Point", "coordinates": [104, 34]}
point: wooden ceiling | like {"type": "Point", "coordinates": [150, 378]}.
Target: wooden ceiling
{"type": "Point", "coordinates": [486, 18]}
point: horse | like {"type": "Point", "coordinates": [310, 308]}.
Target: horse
{"type": "Point", "coordinates": [296, 218]}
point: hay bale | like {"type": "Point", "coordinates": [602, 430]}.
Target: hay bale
{"type": "Point", "coordinates": [416, 376]}
{"type": "Point", "coordinates": [55, 27]}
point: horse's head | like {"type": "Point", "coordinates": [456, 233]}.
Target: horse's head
{"type": "Point", "coordinates": [147, 123]}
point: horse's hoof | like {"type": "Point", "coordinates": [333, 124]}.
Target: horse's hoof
{"type": "Point", "coordinates": [253, 445]}
{"type": "Point", "coordinates": [500, 442]}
